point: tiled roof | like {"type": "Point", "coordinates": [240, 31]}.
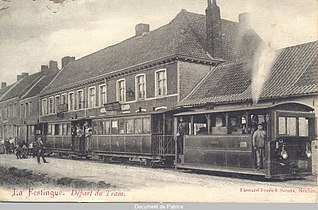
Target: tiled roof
{"type": "Point", "coordinates": [40, 85]}
{"type": "Point", "coordinates": [5, 89]}
{"type": "Point", "coordinates": [21, 87]}
{"type": "Point", "coordinates": [294, 73]}
{"type": "Point", "coordinates": [183, 36]}
{"type": "Point", "coordinates": [29, 86]}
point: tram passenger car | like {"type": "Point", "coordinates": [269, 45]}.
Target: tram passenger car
{"type": "Point", "coordinates": [142, 137]}
{"type": "Point", "coordinates": [146, 138]}
{"type": "Point", "coordinates": [221, 140]}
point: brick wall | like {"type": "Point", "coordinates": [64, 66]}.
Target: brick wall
{"type": "Point", "coordinates": [190, 75]}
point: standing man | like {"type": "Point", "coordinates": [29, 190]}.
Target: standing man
{"type": "Point", "coordinates": [259, 137]}
{"type": "Point", "coordinates": [182, 131]}
{"type": "Point", "coordinates": [39, 149]}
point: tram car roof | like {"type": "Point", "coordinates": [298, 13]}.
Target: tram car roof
{"type": "Point", "coordinates": [302, 106]}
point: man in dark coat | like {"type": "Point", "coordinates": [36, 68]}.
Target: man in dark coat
{"type": "Point", "coordinates": [39, 149]}
{"type": "Point", "coordinates": [259, 137]}
{"type": "Point", "coordinates": [182, 131]}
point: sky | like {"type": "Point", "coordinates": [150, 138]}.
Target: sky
{"type": "Point", "coordinates": [33, 32]}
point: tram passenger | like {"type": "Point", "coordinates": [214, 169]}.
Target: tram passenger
{"type": "Point", "coordinates": [88, 135]}
{"type": "Point", "coordinates": [73, 134]}
{"type": "Point", "coordinates": [182, 131]}
{"type": "Point", "coordinates": [259, 137]}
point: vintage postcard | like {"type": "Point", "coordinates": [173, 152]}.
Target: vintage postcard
{"type": "Point", "coordinates": [158, 101]}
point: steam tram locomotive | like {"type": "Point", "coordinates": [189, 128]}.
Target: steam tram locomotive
{"type": "Point", "coordinates": [217, 140]}
{"type": "Point", "coordinates": [221, 140]}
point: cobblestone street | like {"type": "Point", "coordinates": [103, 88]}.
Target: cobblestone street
{"type": "Point", "coordinates": [134, 183]}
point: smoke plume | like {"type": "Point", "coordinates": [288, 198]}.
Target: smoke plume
{"type": "Point", "coordinates": [264, 61]}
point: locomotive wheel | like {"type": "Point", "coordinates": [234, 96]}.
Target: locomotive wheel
{"type": "Point", "coordinates": [106, 159]}
{"type": "Point", "coordinates": [149, 163]}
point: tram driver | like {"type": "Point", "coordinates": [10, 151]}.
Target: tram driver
{"type": "Point", "coordinates": [182, 131]}
{"type": "Point", "coordinates": [259, 137]}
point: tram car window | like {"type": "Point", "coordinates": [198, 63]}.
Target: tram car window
{"type": "Point", "coordinates": [114, 128]}
{"type": "Point", "coordinates": [106, 127]}
{"type": "Point", "coordinates": [218, 123]}
{"type": "Point", "coordinates": [146, 125]}
{"type": "Point", "coordinates": [138, 126]}
{"type": "Point", "coordinates": [200, 125]}
{"type": "Point", "coordinates": [121, 126]}
{"type": "Point", "coordinates": [129, 126]}
{"type": "Point", "coordinates": [303, 126]}
{"type": "Point", "coordinates": [287, 126]}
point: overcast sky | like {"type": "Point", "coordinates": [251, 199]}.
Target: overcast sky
{"type": "Point", "coordinates": [32, 32]}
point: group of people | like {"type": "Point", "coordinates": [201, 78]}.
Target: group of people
{"type": "Point", "coordinates": [23, 151]}
{"type": "Point", "coordinates": [81, 132]}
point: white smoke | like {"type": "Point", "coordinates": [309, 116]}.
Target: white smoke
{"type": "Point", "coordinates": [261, 70]}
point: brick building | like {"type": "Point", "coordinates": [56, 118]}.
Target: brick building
{"type": "Point", "coordinates": [149, 72]}
{"type": "Point", "coordinates": [19, 103]}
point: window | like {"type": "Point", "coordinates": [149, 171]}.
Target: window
{"type": "Point", "coordinates": [303, 126]}
{"type": "Point", "coordinates": [26, 110]}
{"type": "Point", "coordinates": [58, 129]}
{"type": "Point", "coordinates": [287, 126]}
{"type": "Point", "coordinates": [21, 111]}
{"type": "Point", "coordinates": [102, 95]}
{"type": "Point", "coordinates": [161, 83]}
{"type": "Point", "coordinates": [138, 125]}
{"type": "Point", "coordinates": [121, 90]}
{"type": "Point", "coordinates": [114, 128]}
{"type": "Point", "coordinates": [14, 110]}
{"type": "Point", "coordinates": [146, 125]}
{"type": "Point", "coordinates": [44, 107]}
{"type": "Point", "coordinates": [200, 125]}
{"type": "Point", "coordinates": [30, 108]}
{"type": "Point", "coordinates": [10, 110]}
{"type": "Point", "coordinates": [51, 105]}
{"type": "Point", "coordinates": [57, 103]}
{"type": "Point", "coordinates": [107, 127]}
{"type": "Point", "coordinates": [5, 112]}
{"type": "Point", "coordinates": [71, 101]}
{"type": "Point", "coordinates": [63, 99]}
{"type": "Point", "coordinates": [141, 86]}
{"type": "Point", "coordinates": [121, 126]}
{"type": "Point", "coordinates": [80, 99]}
{"type": "Point", "coordinates": [65, 129]}
{"type": "Point", "coordinates": [51, 129]}
{"type": "Point", "coordinates": [92, 97]}
{"type": "Point", "coordinates": [129, 126]}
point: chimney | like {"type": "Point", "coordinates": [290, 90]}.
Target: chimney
{"type": "Point", "coordinates": [141, 29]}
{"type": "Point", "coordinates": [213, 29]}
{"type": "Point", "coordinates": [24, 74]}
{"type": "Point", "coordinates": [245, 21]}
{"type": "Point", "coordinates": [19, 77]}
{"type": "Point", "coordinates": [3, 85]}
{"type": "Point", "coordinates": [44, 68]}
{"type": "Point", "coordinates": [53, 66]}
{"type": "Point", "coordinates": [66, 60]}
